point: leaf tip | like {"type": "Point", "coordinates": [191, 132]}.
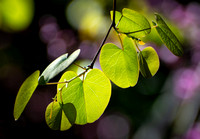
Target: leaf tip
{"type": "Point", "coordinates": [41, 80]}
{"type": "Point", "coordinates": [156, 15]}
{"type": "Point", "coordinates": [78, 51]}
{"type": "Point", "coordinates": [15, 114]}
{"type": "Point", "coordinates": [154, 23]}
{"type": "Point", "coordinates": [180, 52]}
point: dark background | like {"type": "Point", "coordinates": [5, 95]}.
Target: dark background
{"type": "Point", "coordinates": [26, 50]}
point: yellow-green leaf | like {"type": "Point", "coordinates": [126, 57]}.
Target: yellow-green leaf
{"type": "Point", "coordinates": [120, 65]}
{"type": "Point", "coordinates": [60, 116]}
{"type": "Point", "coordinates": [131, 23]}
{"type": "Point", "coordinates": [25, 92]}
{"type": "Point", "coordinates": [149, 62]}
{"type": "Point", "coordinates": [90, 97]}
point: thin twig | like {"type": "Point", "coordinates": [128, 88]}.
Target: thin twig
{"type": "Point", "coordinates": [82, 73]}
{"type": "Point", "coordinates": [136, 46]}
{"type": "Point", "coordinates": [114, 9]}
{"type": "Point", "coordinates": [104, 40]}
{"type": "Point", "coordinates": [79, 66]}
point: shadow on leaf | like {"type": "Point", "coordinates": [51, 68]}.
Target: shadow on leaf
{"type": "Point", "coordinates": [144, 69]}
{"type": "Point", "coordinates": [70, 112]}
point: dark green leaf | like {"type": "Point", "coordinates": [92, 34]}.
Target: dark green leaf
{"type": "Point", "coordinates": [168, 37]}
{"type": "Point", "coordinates": [60, 116]}
{"type": "Point", "coordinates": [53, 115]}
{"type": "Point", "coordinates": [149, 62]}
{"type": "Point", "coordinates": [144, 69]}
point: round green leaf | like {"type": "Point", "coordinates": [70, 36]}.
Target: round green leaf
{"type": "Point", "coordinates": [57, 66]}
{"type": "Point", "coordinates": [97, 90]}
{"type": "Point", "coordinates": [120, 65]}
{"type": "Point", "coordinates": [90, 97]}
{"type": "Point", "coordinates": [168, 37]}
{"type": "Point", "coordinates": [131, 23]}
{"type": "Point", "coordinates": [149, 62]}
{"type": "Point", "coordinates": [59, 116]}
{"type": "Point", "coordinates": [25, 92]}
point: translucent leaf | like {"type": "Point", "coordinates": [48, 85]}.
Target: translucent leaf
{"type": "Point", "coordinates": [149, 62]}
{"type": "Point", "coordinates": [65, 77]}
{"type": "Point", "coordinates": [97, 91]}
{"type": "Point", "coordinates": [168, 37]}
{"type": "Point", "coordinates": [90, 97]}
{"type": "Point", "coordinates": [60, 116]}
{"type": "Point", "coordinates": [120, 65]}
{"type": "Point", "coordinates": [118, 16]}
{"type": "Point", "coordinates": [57, 66]}
{"type": "Point", "coordinates": [25, 92]}
{"type": "Point", "coordinates": [132, 23]}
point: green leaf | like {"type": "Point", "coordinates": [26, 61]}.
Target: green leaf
{"type": "Point", "coordinates": [97, 90]}
{"type": "Point", "coordinates": [132, 23]}
{"type": "Point", "coordinates": [57, 66]}
{"type": "Point", "coordinates": [120, 65]}
{"type": "Point", "coordinates": [90, 97]}
{"type": "Point", "coordinates": [25, 92]}
{"type": "Point", "coordinates": [168, 37]}
{"type": "Point", "coordinates": [118, 16]}
{"type": "Point", "coordinates": [60, 116]}
{"type": "Point", "coordinates": [149, 62]}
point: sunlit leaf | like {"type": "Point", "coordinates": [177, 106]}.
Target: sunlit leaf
{"type": "Point", "coordinates": [57, 66]}
{"type": "Point", "coordinates": [73, 93]}
{"type": "Point", "coordinates": [120, 65]}
{"type": "Point", "coordinates": [97, 90]}
{"type": "Point", "coordinates": [65, 77]}
{"type": "Point", "coordinates": [168, 37]}
{"type": "Point", "coordinates": [60, 116]}
{"type": "Point", "coordinates": [149, 62]}
{"type": "Point", "coordinates": [132, 23]}
{"type": "Point", "coordinates": [118, 16]}
{"type": "Point", "coordinates": [90, 97]}
{"type": "Point", "coordinates": [25, 92]}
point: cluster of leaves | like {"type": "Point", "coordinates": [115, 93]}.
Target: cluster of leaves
{"type": "Point", "coordinates": [82, 98]}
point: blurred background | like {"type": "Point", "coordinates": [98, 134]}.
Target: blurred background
{"type": "Point", "coordinates": [33, 33]}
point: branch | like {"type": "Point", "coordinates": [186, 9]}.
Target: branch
{"type": "Point", "coordinates": [114, 9]}
{"type": "Point", "coordinates": [104, 40]}
{"type": "Point", "coordinates": [82, 73]}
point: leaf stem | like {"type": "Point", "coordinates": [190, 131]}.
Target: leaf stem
{"type": "Point", "coordinates": [79, 66]}
{"type": "Point", "coordinates": [60, 91]}
{"type": "Point", "coordinates": [91, 65]}
{"type": "Point", "coordinates": [120, 41]}
{"type": "Point", "coordinates": [81, 74]}
{"type": "Point", "coordinates": [137, 46]}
